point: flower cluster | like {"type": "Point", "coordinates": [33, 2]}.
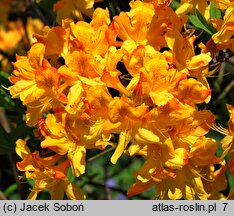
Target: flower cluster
{"type": "Point", "coordinates": [67, 80]}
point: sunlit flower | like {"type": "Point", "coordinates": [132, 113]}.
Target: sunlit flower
{"type": "Point", "coordinates": [228, 140]}
{"type": "Point", "coordinates": [180, 173]}
{"type": "Point", "coordinates": [72, 138]}
{"type": "Point", "coordinates": [146, 25]}
{"type": "Point", "coordinates": [46, 173]}
{"type": "Point", "coordinates": [188, 6]}
{"type": "Point", "coordinates": [153, 82]}
{"type": "Point", "coordinates": [36, 83]}
{"type": "Point", "coordinates": [127, 118]}
{"type": "Point", "coordinates": [224, 37]}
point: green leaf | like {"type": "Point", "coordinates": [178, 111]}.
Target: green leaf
{"type": "Point", "coordinates": [5, 97]}
{"type": "Point", "coordinates": [70, 175]}
{"type": "Point", "coordinates": [6, 145]}
{"type": "Point", "coordinates": [4, 79]}
{"type": "Point", "coordinates": [111, 8]}
{"type": "Point", "coordinates": [174, 5]}
{"type": "Point", "coordinates": [230, 180]}
{"type": "Point", "coordinates": [201, 23]}
{"type": "Point", "coordinates": [214, 12]}
{"type": "Point", "coordinates": [11, 190]}
{"type": "Point", "coordinates": [30, 181]}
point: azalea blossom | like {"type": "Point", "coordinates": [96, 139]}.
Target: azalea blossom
{"type": "Point", "coordinates": [46, 173]}
{"type": "Point", "coordinates": [36, 83]}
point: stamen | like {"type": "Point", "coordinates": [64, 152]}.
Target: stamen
{"type": "Point", "coordinates": [220, 129]}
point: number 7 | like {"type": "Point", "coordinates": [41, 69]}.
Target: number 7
{"type": "Point", "coordinates": [225, 205]}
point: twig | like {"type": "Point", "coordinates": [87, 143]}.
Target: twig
{"type": "Point", "coordinates": [2, 196]}
{"type": "Point", "coordinates": [100, 154]}
{"type": "Point", "coordinates": [3, 121]}
{"type": "Point", "coordinates": [225, 91]}
{"type": "Point", "coordinates": [40, 14]}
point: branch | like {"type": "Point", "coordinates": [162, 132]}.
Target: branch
{"type": "Point", "coordinates": [225, 91]}
{"type": "Point", "coordinates": [100, 154]}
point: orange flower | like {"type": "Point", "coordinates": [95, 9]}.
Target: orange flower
{"type": "Point", "coordinates": [192, 91]}
{"type": "Point", "coordinates": [9, 39]}
{"type": "Point", "coordinates": [135, 24]}
{"type": "Point", "coordinates": [188, 6]}
{"type": "Point", "coordinates": [72, 138]}
{"type": "Point", "coordinates": [90, 60]}
{"type": "Point", "coordinates": [175, 172]}
{"type": "Point", "coordinates": [146, 24]}
{"type": "Point", "coordinates": [223, 38]}
{"type": "Point", "coordinates": [127, 118]}
{"type": "Point", "coordinates": [36, 83]}
{"type": "Point", "coordinates": [224, 4]}
{"type": "Point", "coordinates": [228, 140]}
{"type": "Point", "coordinates": [153, 82]}
{"type": "Point", "coordinates": [175, 155]}
{"type": "Point", "coordinates": [46, 173]}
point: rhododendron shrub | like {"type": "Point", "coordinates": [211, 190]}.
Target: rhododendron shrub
{"type": "Point", "coordinates": [66, 82]}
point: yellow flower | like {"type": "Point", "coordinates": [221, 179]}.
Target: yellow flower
{"type": "Point", "coordinates": [127, 118]}
{"type": "Point", "coordinates": [134, 25]}
{"type": "Point", "coordinates": [110, 74]}
{"type": "Point", "coordinates": [9, 39]}
{"type": "Point", "coordinates": [36, 83]}
{"type": "Point", "coordinates": [224, 4]}
{"type": "Point", "coordinates": [188, 6]}
{"type": "Point", "coordinates": [34, 26]}
{"type": "Point", "coordinates": [92, 36]}
{"type": "Point", "coordinates": [80, 36]}
{"type": "Point", "coordinates": [180, 174]}
{"type": "Point", "coordinates": [146, 24]}
{"type": "Point", "coordinates": [228, 141]}
{"type": "Point", "coordinates": [184, 58]}
{"type": "Point", "coordinates": [223, 38]}
{"type": "Point", "coordinates": [47, 172]}
{"type": "Point", "coordinates": [72, 138]}
{"type": "Point", "coordinates": [57, 41]}
{"type": "Point", "coordinates": [11, 34]}
{"type": "Point", "coordinates": [193, 91]}
{"type": "Point", "coordinates": [90, 60]}
{"type": "Point", "coordinates": [219, 183]}
{"type": "Point", "coordinates": [175, 155]}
